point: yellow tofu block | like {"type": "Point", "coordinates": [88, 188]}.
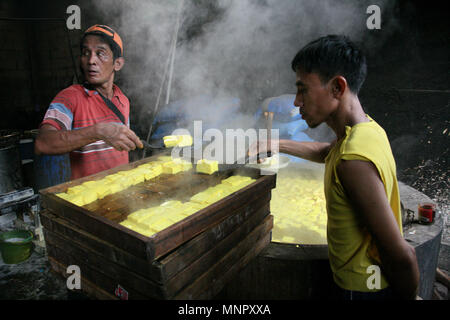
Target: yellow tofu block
{"type": "Point", "coordinates": [194, 205]}
{"type": "Point", "coordinates": [125, 181]}
{"type": "Point", "coordinates": [150, 220]}
{"type": "Point", "coordinates": [172, 168]}
{"type": "Point", "coordinates": [175, 217]}
{"type": "Point", "coordinates": [190, 208]}
{"type": "Point", "coordinates": [115, 187]}
{"type": "Point", "coordinates": [144, 166]}
{"type": "Point", "coordinates": [89, 184]}
{"type": "Point", "coordinates": [156, 166]}
{"type": "Point", "coordinates": [63, 195]}
{"type": "Point", "coordinates": [164, 159]}
{"type": "Point", "coordinates": [138, 178]}
{"type": "Point", "coordinates": [139, 216]}
{"type": "Point", "coordinates": [209, 196]}
{"type": "Point", "coordinates": [76, 189]}
{"type": "Point", "coordinates": [153, 171]}
{"type": "Point", "coordinates": [207, 166]}
{"type": "Point", "coordinates": [77, 199]}
{"type": "Point", "coordinates": [141, 171]}
{"type": "Point", "coordinates": [201, 197]}
{"type": "Point", "coordinates": [112, 177]}
{"type": "Point", "coordinates": [171, 204]}
{"type": "Point", "coordinates": [103, 191]}
{"type": "Point", "coordinates": [236, 180]}
{"type": "Point", "coordinates": [220, 191]}
{"type": "Point", "coordinates": [150, 175]}
{"type": "Point", "coordinates": [170, 141]}
{"type": "Point", "coordinates": [89, 196]}
{"type": "Point", "coordinates": [151, 215]}
{"type": "Point", "coordinates": [186, 212]}
{"type": "Point", "coordinates": [177, 140]}
{"type": "Point", "coordinates": [185, 141]}
{"type": "Point", "coordinates": [132, 226]}
{"type": "Point", "coordinates": [161, 224]}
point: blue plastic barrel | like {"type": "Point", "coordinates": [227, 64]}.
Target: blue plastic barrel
{"type": "Point", "coordinates": [51, 170]}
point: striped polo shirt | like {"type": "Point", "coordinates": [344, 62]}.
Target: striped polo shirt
{"type": "Point", "coordinates": [77, 107]}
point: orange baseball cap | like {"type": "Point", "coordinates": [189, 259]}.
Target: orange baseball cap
{"type": "Point", "coordinates": [109, 32]}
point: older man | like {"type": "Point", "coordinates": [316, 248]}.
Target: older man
{"type": "Point", "coordinates": [91, 121]}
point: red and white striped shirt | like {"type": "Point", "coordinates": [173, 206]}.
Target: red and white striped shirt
{"type": "Point", "coordinates": [77, 107]}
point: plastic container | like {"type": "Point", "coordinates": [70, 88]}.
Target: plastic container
{"type": "Point", "coordinates": [16, 246]}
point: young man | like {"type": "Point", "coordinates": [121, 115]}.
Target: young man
{"type": "Point", "coordinates": [363, 204]}
{"type": "Point", "coordinates": [79, 119]}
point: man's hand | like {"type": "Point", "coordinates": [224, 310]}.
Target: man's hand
{"type": "Point", "coordinates": [53, 141]}
{"type": "Point", "coordinates": [312, 151]}
{"type": "Point", "coordinates": [262, 149]}
{"type": "Point", "coordinates": [119, 136]}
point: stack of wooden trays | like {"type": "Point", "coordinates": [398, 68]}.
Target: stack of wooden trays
{"type": "Point", "coordinates": [191, 259]}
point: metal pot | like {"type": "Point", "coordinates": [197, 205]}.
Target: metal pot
{"type": "Point", "coordinates": [10, 163]}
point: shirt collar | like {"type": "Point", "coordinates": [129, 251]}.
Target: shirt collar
{"type": "Point", "coordinates": [92, 92]}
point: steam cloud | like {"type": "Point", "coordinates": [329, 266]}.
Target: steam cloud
{"type": "Point", "coordinates": [226, 48]}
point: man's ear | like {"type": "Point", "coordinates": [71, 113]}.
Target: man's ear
{"type": "Point", "coordinates": [338, 86]}
{"type": "Point", "coordinates": [118, 63]}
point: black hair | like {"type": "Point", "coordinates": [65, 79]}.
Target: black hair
{"type": "Point", "coordinates": [112, 45]}
{"type": "Point", "coordinates": [330, 56]}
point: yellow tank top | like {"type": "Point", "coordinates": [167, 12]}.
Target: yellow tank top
{"type": "Point", "coordinates": [350, 247]}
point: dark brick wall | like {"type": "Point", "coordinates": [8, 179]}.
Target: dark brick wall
{"type": "Point", "coordinates": [407, 92]}
{"type": "Point", "coordinates": [36, 60]}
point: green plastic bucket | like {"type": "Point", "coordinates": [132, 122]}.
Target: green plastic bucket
{"type": "Point", "coordinates": [16, 246]}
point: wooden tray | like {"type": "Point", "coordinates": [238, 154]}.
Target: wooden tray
{"type": "Point", "coordinates": [104, 224]}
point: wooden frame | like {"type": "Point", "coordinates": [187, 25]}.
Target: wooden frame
{"type": "Point", "coordinates": [151, 248]}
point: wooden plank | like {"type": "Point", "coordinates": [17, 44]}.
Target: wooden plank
{"type": "Point", "coordinates": [187, 253]}
{"type": "Point", "coordinates": [100, 247]}
{"type": "Point", "coordinates": [106, 283]}
{"type": "Point", "coordinates": [65, 251]}
{"type": "Point", "coordinates": [87, 287]}
{"type": "Point", "coordinates": [219, 283]}
{"type": "Point", "coordinates": [79, 257]}
{"type": "Point", "coordinates": [131, 280]}
{"type": "Point", "coordinates": [196, 268]}
{"type": "Point", "coordinates": [151, 248]}
{"type": "Point", "coordinates": [240, 252]}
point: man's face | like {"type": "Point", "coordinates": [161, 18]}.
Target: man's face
{"type": "Point", "coordinates": [314, 98]}
{"type": "Point", "coordinates": [97, 61]}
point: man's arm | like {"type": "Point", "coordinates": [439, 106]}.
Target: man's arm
{"type": "Point", "coordinates": [365, 189]}
{"type": "Point", "coordinates": [52, 141]}
{"type": "Point", "coordinates": [313, 151]}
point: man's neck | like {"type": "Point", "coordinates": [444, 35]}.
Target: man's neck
{"type": "Point", "coordinates": [106, 89]}
{"type": "Point", "coordinates": [348, 113]}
